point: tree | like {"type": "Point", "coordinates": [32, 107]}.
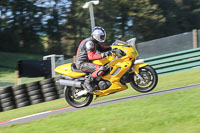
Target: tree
{"type": "Point", "coordinates": [181, 15]}
{"type": "Point", "coordinates": [147, 20]}
{"type": "Point", "coordinates": [77, 26]}
{"type": "Point", "coordinates": [106, 16]}
{"type": "Point", "coordinates": [188, 14]}
{"type": "Point", "coordinates": [125, 19]}
{"type": "Point", "coordinates": [53, 31]}
{"type": "Point", "coordinates": [122, 19]}
{"type": "Point", "coordinates": [8, 41]}
{"type": "Point", "coordinates": [21, 25]}
{"type": "Point", "coordinates": [64, 23]}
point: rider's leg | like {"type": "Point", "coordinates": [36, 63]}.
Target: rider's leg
{"type": "Point", "coordinates": [97, 71]}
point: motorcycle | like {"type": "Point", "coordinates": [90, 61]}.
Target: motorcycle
{"type": "Point", "coordinates": [121, 68]}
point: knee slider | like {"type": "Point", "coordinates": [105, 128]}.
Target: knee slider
{"type": "Point", "coordinates": [97, 73]}
{"type": "Point", "coordinates": [100, 73]}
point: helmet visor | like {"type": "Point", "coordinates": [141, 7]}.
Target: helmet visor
{"type": "Point", "coordinates": [102, 37]}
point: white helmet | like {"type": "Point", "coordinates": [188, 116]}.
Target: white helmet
{"type": "Point", "coordinates": [99, 34]}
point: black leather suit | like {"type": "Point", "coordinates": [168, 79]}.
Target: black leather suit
{"type": "Point", "coordinates": [88, 51]}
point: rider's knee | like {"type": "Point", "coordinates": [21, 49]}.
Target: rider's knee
{"type": "Point", "coordinates": [97, 73]}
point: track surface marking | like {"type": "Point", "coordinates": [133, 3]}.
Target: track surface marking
{"type": "Point", "coordinates": [41, 115]}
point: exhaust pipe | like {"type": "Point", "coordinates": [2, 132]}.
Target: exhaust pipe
{"type": "Point", "coordinates": [69, 83]}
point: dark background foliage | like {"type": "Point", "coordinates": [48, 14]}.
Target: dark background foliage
{"type": "Point", "coordinates": [58, 26]}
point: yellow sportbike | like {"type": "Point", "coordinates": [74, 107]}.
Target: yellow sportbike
{"type": "Point", "coordinates": [121, 68]}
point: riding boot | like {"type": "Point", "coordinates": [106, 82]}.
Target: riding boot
{"type": "Point", "coordinates": [88, 83]}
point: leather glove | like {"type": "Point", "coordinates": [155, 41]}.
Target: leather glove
{"type": "Point", "coordinates": [105, 54]}
{"type": "Point", "coordinates": [119, 52]}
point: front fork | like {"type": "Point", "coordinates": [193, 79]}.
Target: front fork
{"type": "Point", "coordinates": [136, 69]}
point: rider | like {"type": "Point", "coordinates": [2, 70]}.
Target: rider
{"type": "Point", "coordinates": [87, 52]}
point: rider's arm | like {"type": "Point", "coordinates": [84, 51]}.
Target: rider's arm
{"type": "Point", "coordinates": [91, 49]}
{"type": "Point", "coordinates": [104, 48]}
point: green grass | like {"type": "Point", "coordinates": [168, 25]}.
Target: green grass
{"type": "Point", "coordinates": [5, 71]}
{"type": "Point", "coordinates": [8, 66]}
{"type": "Point", "coordinates": [9, 78]}
{"type": "Point", "coordinates": [9, 60]}
{"type": "Point", "coordinates": [176, 112]}
{"type": "Point", "coordinates": [165, 82]}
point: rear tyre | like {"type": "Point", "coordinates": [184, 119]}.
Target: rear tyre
{"type": "Point", "coordinates": [150, 80]}
{"type": "Point", "coordinates": [77, 102]}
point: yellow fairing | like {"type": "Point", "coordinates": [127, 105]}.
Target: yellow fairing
{"type": "Point", "coordinates": [120, 67]}
{"type": "Point", "coordinates": [115, 87]}
{"type": "Point", "coordinates": [138, 66]}
{"type": "Point", "coordinates": [66, 69]}
{"type": "Point", "coordinates": [104, 60]}
{"type": "Point", "coordinates": [130, 51]}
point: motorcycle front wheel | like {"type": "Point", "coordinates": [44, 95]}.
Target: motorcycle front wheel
{"type": "Point", "coordinates": [150, 80]}
{"type": "Point", "coordinates": [69, 93]}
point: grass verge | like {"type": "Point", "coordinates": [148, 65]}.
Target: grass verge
{"type": "Point", "coordinates": [8, 67]}
{"type": "Point", "coordinates": [165, 82]}
{"type": "Point", "coordinates": [175, 112]}
{"type": "Point", "coordinates": [5, 71]}
{"type": "Point", "coordinates": [11, 79]}
{"type": "Point", "coordinates": [10, 60]}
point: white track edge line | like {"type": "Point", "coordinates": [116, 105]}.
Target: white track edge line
{"type": "Point", "coordinates": [30, 116]}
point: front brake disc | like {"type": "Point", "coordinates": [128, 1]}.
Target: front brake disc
{"type": "Point", "coordinates": [147, 78]}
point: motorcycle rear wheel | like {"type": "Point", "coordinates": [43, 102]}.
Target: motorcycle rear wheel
{"type": "Point", "coordinates": [151, 80]}
{"type": "Point", "coordinates": [76, 102]}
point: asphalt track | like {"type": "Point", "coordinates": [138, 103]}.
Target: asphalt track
{"type": "Point", "coordinates": [69, 109]}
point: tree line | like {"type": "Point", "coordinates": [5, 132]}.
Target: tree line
{"type": "Point", "coordinates": [58, 26]}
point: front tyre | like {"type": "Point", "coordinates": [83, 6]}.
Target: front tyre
{"type": "Point", "coordinates": [150, 80]}
{"type": "Point", "coordinates": [77, 102]}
